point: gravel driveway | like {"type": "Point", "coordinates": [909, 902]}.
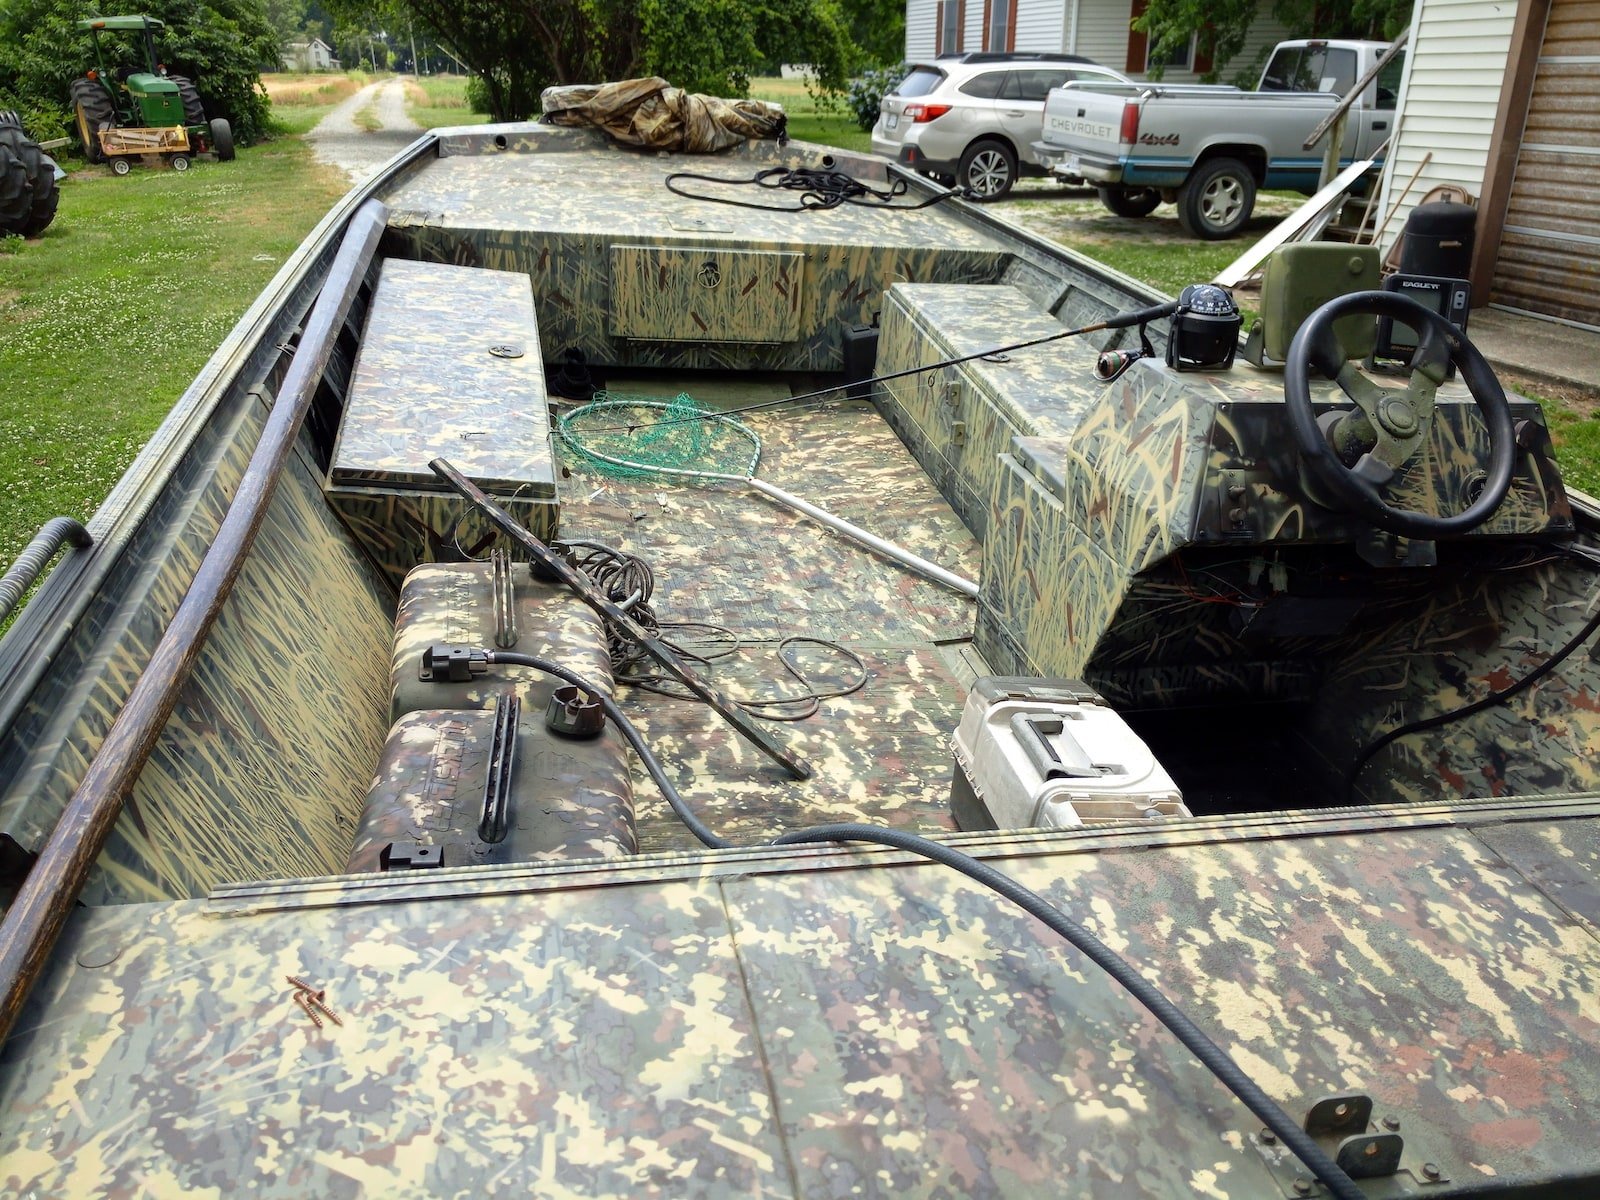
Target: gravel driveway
{"type": "Point", "coordinates": [340, 140]}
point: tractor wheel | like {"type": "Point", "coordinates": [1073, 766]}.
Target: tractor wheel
{"type": "Point", "coordinates": [194, 112]}
{"type": "Point", "coordinates": [41, 194]}
{"type": "Point", "coordinates": [93, 111]}
{"type": "Point", "coordinates": [222, 139]}
{"type": "Point", "coordinates": [10, 118]}
{"type": "Point", "coordinates": [16, 193]}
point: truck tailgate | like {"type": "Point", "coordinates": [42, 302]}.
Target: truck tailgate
{"type": "Point", "coordinates": [1081, 120]}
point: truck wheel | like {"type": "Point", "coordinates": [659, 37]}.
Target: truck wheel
{"type": "Point", "coordinates": [1130, 202]}
{"type": "Point", "coordinates": [1217, 199]}
{"type": "Point", "coordinates": [92, 108]}
{"type": "Point", "coordinates": [989, 168]}
{"type": "Point", "coordinates": [222, 139]}
{"type": "Point", "coordinates": [194, 112]}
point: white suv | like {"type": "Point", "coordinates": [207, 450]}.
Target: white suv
{"type": "Point", "coordinates": [969, 119]}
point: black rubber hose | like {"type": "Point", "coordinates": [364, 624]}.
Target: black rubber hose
{"type": "Point", "coordinates": [1477, 706]}
{"type": "Point", "coordinates": [651, 763]}
{"type": "Point", "coordinates": [1211, 1056]}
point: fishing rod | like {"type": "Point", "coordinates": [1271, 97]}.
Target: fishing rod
{"type": "Point", "coordinates": [1122, 320]}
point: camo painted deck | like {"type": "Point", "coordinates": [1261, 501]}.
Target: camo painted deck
{"type": "Point", "coordinates": [620, 270]}
{"type": "Point", "coordinates": [831, 1024]}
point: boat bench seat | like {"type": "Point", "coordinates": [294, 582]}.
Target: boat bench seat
{"type": "Point", "coordinates": [449, 367]}
{"type": "Point", "coordinates": [570, 797]}
{"type": "Point", "coordinates": [958, 420]}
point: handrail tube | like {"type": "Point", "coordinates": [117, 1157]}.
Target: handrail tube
{"type": "Point", "coordinates": [52, 535]}
{"type": "Point", "coordinates": [1343, 106]}
{"type": "Point", "coordinates": [37, 916]}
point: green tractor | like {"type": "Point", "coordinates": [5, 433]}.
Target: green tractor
{"type": "Point", "coordinates": [142, 112]}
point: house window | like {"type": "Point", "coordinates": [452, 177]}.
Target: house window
{"type": "Point", "coordinates": [1000, 24]}
{"type": "Point", "coordinates": [949, 27]}
{"type": "Point", "coordinates": [1179, 58]}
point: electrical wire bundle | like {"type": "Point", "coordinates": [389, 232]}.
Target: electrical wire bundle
{"type": "Point", "coordinates": [818, 190]}
{"type": "Point", "coordinates": [627, 581]}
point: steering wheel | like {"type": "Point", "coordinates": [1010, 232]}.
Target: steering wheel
{"type": "Point", "coordinates": [1390, 425]}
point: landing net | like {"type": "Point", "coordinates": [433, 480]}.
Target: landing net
{"type": "Point", "coordinates": [634, 437]}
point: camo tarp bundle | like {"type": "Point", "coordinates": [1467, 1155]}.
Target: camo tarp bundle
{"type": "Point", "coordinates": [654, 114]}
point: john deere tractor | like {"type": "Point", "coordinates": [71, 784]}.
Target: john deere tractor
{"type": "Point", "coordinates": [124, 114]}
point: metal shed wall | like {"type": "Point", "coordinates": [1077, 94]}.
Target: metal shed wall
{"type": "Point", "coordinates": [1549, 261]}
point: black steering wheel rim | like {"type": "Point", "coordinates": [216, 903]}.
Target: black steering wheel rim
{"type": "Point", "coordinates": [1316, 346]}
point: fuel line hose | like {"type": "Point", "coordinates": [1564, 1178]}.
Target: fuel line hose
{"type": "Point", "coordinates": [1196, 1040]}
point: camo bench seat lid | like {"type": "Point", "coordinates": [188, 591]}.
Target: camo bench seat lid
{"type": "Point", "coordinates": [450, 367]}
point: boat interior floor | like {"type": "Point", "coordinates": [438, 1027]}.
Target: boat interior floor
{"type": "Point", "coordinates": [726, 557]}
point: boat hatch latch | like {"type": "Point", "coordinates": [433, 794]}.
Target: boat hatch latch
{"type": "Point", "coordinates": [1366, 1148]}
{"type": "Point", "coordinates": [410, 856]}
{"type": "Point", "coordinates": [452, 664]}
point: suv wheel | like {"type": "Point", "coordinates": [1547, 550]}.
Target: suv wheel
{"type": "Point", "coordinates": [989, 168]}
{"type": "Point", "coordinates": [1217, 199]}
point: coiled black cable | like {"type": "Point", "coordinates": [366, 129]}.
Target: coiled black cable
{"type": "Point", "coordinates": [1211, 1056]}
{"type": "Point", "coordinates": [819, 190]}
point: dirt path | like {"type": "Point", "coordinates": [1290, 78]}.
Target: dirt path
{"type": "Point", "coordinates": [340, 139]}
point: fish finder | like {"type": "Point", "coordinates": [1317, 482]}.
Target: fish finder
{"type": "Point", "coordinates": [1397, 342]}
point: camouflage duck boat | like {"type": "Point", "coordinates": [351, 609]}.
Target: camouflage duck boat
{"type": "Point", "coordinates": [1233, 832]}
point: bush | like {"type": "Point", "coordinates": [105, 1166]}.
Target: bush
{"type": "Point", "coordinates": [869, 88]}
{"type": "Point", "coordinates": [478, 99]}
{"type": "Point", "coordinates": [220, 44]}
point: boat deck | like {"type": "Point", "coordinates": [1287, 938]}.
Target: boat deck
{"type": "Point", "coordinates": [726, 557]}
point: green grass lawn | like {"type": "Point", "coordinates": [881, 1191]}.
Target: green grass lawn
{"type": "Point", "coordinates": [108, 317]}
{"type": "Point", "coordinates": [812, 119]}
{"type": "Point", "coordinates": [433, 101]}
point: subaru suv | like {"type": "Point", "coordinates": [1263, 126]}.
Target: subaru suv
{"type": "Point", "coordinates": [970, 119]}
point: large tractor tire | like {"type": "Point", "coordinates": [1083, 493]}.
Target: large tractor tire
{"type": "Point", "coordinates": [93, 112]}
{"type": "Point", "coordinates": [16, 192]}
{"type": "Point", "coordinates": [194, 112]}
{"type": "Point", "coordinates": [10, 118]}
{"type": "Point", "coordinates": [42, 193]}
{"type": "Point", "coordinates": [222, 139]}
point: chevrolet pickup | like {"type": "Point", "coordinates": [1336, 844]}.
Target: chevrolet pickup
{"type": "Point", "coordinates": [1209, 148]}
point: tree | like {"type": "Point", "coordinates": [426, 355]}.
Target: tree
{"type": "Point", "coordinates": [519, 48]}
{"type": "Point", "coordinates": [221, 44]}
{"type": "Point", "coordinates": [878, 28]}
{"type": "Point", "coordinates": [1223, 24]}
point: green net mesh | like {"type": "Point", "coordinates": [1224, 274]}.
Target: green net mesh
{"type": "Point", "coordinates": [629, 436]}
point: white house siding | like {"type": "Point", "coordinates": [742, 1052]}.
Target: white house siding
{"type": "Point", "coordinates": [1103, 36]}
{"type": "Point", "coordinates": [921, 18]}
{"type": "Point", "coordinates": [922, 29]}
{"type": "Point", "coordinates": [1103, 31]}
{"type": "Point", "coordinates": [1040, 26]}
{"type": "Point", "coordinates": [1455, 67]}
{"type": "Point", "coordinates": [1046, 26]}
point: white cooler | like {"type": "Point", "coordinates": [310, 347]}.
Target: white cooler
{"type": "Point", "coordinates": [1050, 754]}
